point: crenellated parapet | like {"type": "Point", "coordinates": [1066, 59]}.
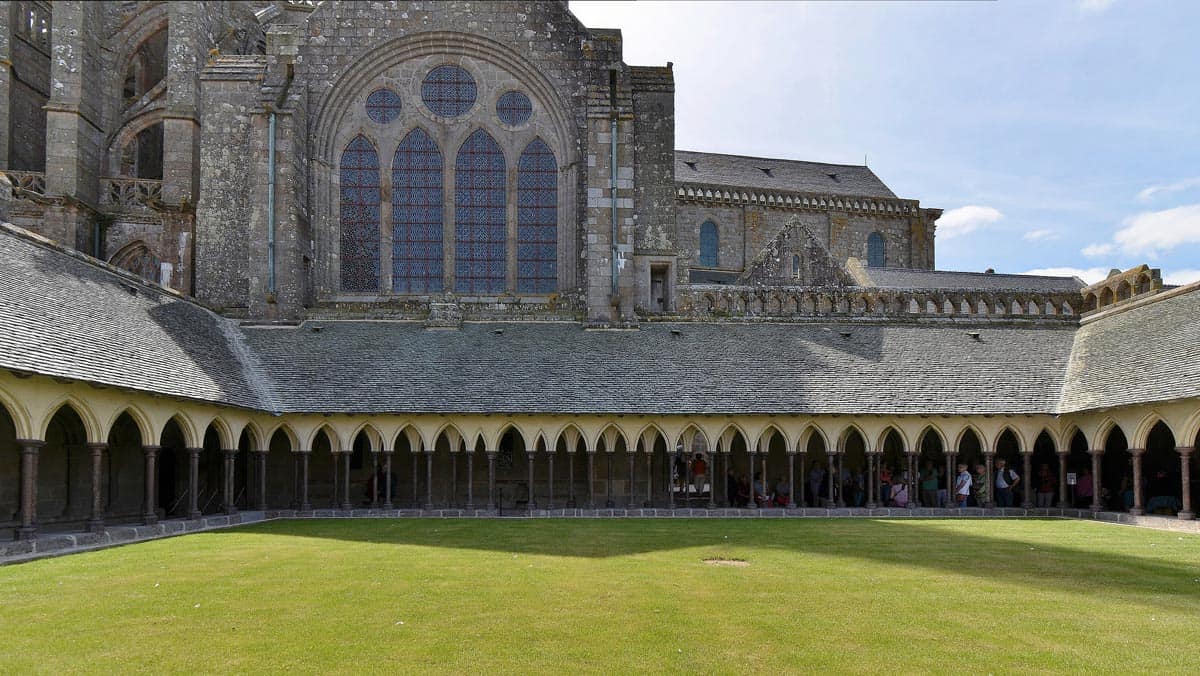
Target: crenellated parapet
{"type": "Point", "coordinates": [1119, 287]}
{"type": "Point", "coordinates": [800, 201]}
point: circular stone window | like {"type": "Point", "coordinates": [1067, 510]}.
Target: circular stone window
{"type": "Point", "coordinates": [383, 106]}
{"type": "Point", "coordinates": [514, 109]}
{"type": "Point", "coordinates": [448, 91]}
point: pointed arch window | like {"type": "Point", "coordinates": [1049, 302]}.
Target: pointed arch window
{"type": "Point", "coordinates": [708, 244]}
{"type": "Point", "coordinates": [360, 201]}
{"type": "Point", "coordinates": [876, 251]}
{"type": "Point", "coordinates": [480, 223]}
{"type": "Point", "coordinates": [796, 266]}
{"type": "Point", "coordinates": [417, 215]}
{"type": "Point", "coordinates": [537, 219]}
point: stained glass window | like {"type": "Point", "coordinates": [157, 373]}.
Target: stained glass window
{"type": "Point", "coordinates": [448, 91]}
{"type": "Point", "coordinates": [360, 216]}
{"type": "Point", "coordinates": [383, 106]}
{"type": "Point", "coordinates": [479, 216]}
{"type": "Point", "coordinates": [708, 244]}
{"type": "Point", "coordinates": [537, 219]}
{"type": "Point", "coordinates": [875, 251]}
{"type": "Point", "coordinates": [417, 215]}
{"type": "Point", "coordinates": [514, 108]}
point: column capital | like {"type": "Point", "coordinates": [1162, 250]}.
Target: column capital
{"type": "Point", "coordinates": [151, 449]}
{"type": "Point", "coordinates": [384, 451]}
{"type": "Point", "coordinates": [1062, 454]}
{"type": "Point", "coordinates": [989, 452]}
{"type": "Point", "coordinates": [1137, 451]}
{"type": "Point", "coordinates": [195, 451]}
{"type": "Point", "coordinates": [1185, 450]}
{"type": "Point", "coordinates": [97, 445]}
{"type": "Point", "coordinates": [491, 455]}
{"type": "Point", "coordinates": [30, 445]}
{"type": "Point", "coordinates": [229, 451]}
{"type": "Point", "coordinates": [1095, 451]}
{"type": "Point", "coordinates": [1026, 451]}
{"type": "Point", "coordinates": [302, 451]}
{"type": "Point", "coordinates": [428, 451]}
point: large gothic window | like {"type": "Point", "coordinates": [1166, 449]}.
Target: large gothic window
{"type": "Point", "coordinates": [708, 244]}
{"type": "Point", "coordinates": [360, 201]}
{"type": "Point", "coordinates": [876, 257]}
{"type": "Point", "coordinates": [480, 226]}
{"type": "Point", "coordinates": [417, 215]}
{"type": "Point", "coordinates": [537, 220]}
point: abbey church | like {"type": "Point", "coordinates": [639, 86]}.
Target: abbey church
{"type": "Point", "coordinates": [445, 258]}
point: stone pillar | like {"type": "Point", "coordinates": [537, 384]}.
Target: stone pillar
{"type": "Point", "coordinates": [305, 506]}
{"type": "Point", "coordinates": [1027, 480]}
{"type": "Point", "coordinates": [1097, 482]}
{"type": "Point", "coordinates": [571, 477]}
{"type": "Point", "coordinates": [951, 477]}
{"type": "Point", "coordinates": [872, 491]}
{"type": "Point", "coordinates": [470, 479]}
{"type": "Point", "coordinates": [632, 501]}
{"type": "Point", "coordinates": [791, 479]}
{"type": "Point", "coordinates": [334, 502]}
{"type": "Point", "coordinates": [1138, 507]}
{"type": "Point", "coordinates": [429, 478]}
{"type": "Point", "coordinates": [29, 469]}
{"type": "Point", "coordinates": [531, 454]}
{"type": "Point", "coordinates": [230, 476]}
{"type": "Point", "coordinates": [262, 479]}
{"type": "Point", "coordinates": [387, 480]}
{"type": "Point", "coordinates": [550, 474]}
{"type": "Point", "coordinates": [670, 483]}
{"type": "Point", "coordinates": [608, 480]}
{"type": "Point", "coordinates": [591, 474]}
{"type": "Point", "coordinates": [149, 515]}
{"type": "Point", "coordinates": [803, 482]}
{"type": "Point", "coordinates": [346, 503]}
{"type": "Point", "coordinates": [492, 504]}
{"type": "Point", "coordinates": [194, 482]}
{"type": "Point", "coordinates": [416, 499]}
{"type": "Point", "coordinates": [95, 524]}
{"type": "Point", "coordinates": [453, 499]}
{"type": "Point", "coordinates": [650, 479]}
{"type": "Point", "coordinates": [830, 478]}
{"type": "Point", "coordinates": [989, 459]}
{"type": "Point", "coordinates": [374, 480]}
{"type": "Point", "coordinates": [1063, 497]}
{"type": "Point", "coordinates": [1185, 456]}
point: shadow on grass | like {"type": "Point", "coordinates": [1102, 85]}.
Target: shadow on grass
{"type": "Point", "coordinates": [1090, 566]}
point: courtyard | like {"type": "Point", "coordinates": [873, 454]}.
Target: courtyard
{"type": "Point", "coordinates": [616, 596]}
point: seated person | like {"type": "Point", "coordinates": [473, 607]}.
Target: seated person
{"type": "Point", "coordinates": [783, 493]}
{"type": "Point", "coordinates": [760, 495]}
{"type": "Point", "coordinates": [900, 495]}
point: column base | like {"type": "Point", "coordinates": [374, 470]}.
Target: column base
{"type": "Point", "coordinates": [26, 533]}
{"type": "Point", "coordinates": [347, 506]}
{"type": "Point", "coordinates": [1186, 516]}
{"type": "Point", "coordinates": [149, 519]}
{"type": "Point", "coordinates": [230, 510]}
{"type": "Point", "coordinates": [95, 525]}
{"type": "Point", "coordinates": [195, 514]}
{"type": "Point", "coordinates": [1134, 511]}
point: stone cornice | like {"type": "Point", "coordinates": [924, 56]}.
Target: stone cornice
{"type": "Point", "coordinates": [801, 201]}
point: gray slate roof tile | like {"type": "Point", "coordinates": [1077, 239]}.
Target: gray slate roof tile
{"type": "Point", "coordinates": [903, 278]}
{"type": "Point", "coordinates": [786, 175]}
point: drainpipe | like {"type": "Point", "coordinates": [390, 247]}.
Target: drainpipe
{"type": "Point", "coordinates": [612, 101]}
{"type": "Point", "coordinates": [287, 85]}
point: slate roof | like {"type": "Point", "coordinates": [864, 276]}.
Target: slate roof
{"type": "Point", "coordinates": [901, 278]}
{"type": "Point", "coordinates": [65, 316]}
{"type": "Point", "coordinates": [786, 175]}
{"type": "Point", "coordinates": [1143, 354]}
{"type": "Point", "coordinates": [401, 367]}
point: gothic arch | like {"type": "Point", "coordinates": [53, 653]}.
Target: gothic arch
{"type": "Point", "coordinates": [958, 438]}
{"type": "Point", "coordinates": [572, 426]}
{"type": "Point", "coordinates": [1022, 444]}
{"type": "Point", "coordinates": [844, 436]}
{"type": "Point", "coordinates": [411, 434]}
{"type": "Point", "coordinates": [1103, 431]}
{"type": "Point", "coordinates": [619, 437]}
{"type": "Point", "coordinates": [252, 431]}
{"type": "Point", "coordinates": [937, 431]}
{"type": "Point", "coordinates": [1068, 434]}
{"type": "Point", "coordinates": [806, 435]}
{"type": "Point", "coordinates": [373, 436]}
{"type": "Point", "coordinates": [127, 132]}
{"type": "Point", "coordinates": [335, 440]}
{"type": "Point", "coordinates": [293, 440]}
{"type": "Point", "coordinates": [883, 435]}
{"type": "Point", "coordinates": [19, 415]}
{"type": "Point", "coordinates": [224, 432]}
{"type": "Point", "coordinates": [186, 427]}
{"type": "Point", "coordinates": [741, 431]}
{"type": "Point", "coordinates": [1142, 431]}
{"type": "Point", "coordinates": [82, 410]}
{"type": "Point", "coordinates": [651, 427]}
{"type": "Point", "coordinates": [772, 429]}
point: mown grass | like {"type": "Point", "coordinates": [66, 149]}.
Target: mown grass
{"type": "Point", "coordinates": [615, 596]}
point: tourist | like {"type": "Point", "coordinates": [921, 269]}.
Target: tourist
{"type": "Point", "coordinates": [979, 484]}
{"type": "Point", "coordinates": [900, 495]}
{"type": "Point", "coordinates": [743, 492]}
{"type": "Point", "coordinates": [699, 472]}
{"type": "Point", "coordinates": [816, 484]}
{"type": "Point", "coordinates": [962, 486]}
{"type": "Point", "coordinates": [1047, 484]}
{"type": "Point", "coordinates": [1006, 480]}
{"type": "Point", "coordinates": [679, 472]}
{"type": "Point", "coordinates": [1083, 490]}
{"type": "Point", "coordinates": [760, 490]}
{"type": "Point", "coordinates": [931, 478]}
{"type": "Point", "coordinates": [885, 484]}
{"type": "Point", "coordinates": [731, 488]}
{"type": "Point", "coordinates": [783, 492]}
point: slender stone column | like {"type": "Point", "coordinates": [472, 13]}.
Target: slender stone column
{"type": "Point", "coordinates": [989, 459]}
{"type": "Point", "coordinates": [230, 476]}
{"type": "Point", "coordinates": [670, 483]}
{"type": "Point", "coordinates": [453, 478]}
{"type": "Point", "coordinates": [632, 501]}
{"type": "Point", "coordinates": [1185, 456]}
{"type": "Point", "coordinates": [591, 473]}
{"type": "Point", "coordinates": [1063, 501]}
{"type": "Point", "coordinates": [951, 477]}
{"type": "Point", "coordinates": [571, 478]}
{"type": "Point", "coordinates": [791, 479]}
{"type": "Point", "coordinates": [532, 505]}
{"type": "Point", "coordinates": [304, 504]}
{"type": "Point", "coordinates": [149, 515]}
{"type": "Point", "coordinates": [29, 469]}
{"type": "Point", "coordinates": [872, 492]}
{"type": "Point", "coordinates": [471, 479]}
{"type": "Point", "coordinates": [492, 502]}
{"type": "Point", "coordinates": [335, 502]}
{"type": "Point", "coordinates": [262, 479]}
{"type": "Point", "coordinates": [387, 480]}
{"type": "Point", "coordinates": [429, 478]}
{"type": "Point", "coordinates": [766, 482]}
{"type": "Point", "coordinates": [608, 481]}
{"type": "Point", "coordinates": [550, 474]}
{"type": "Point", "coordinates": [194, 482]}
{"type": "Point", "coordinates": [1097, 483]}
{"type": "Point", "coordinates": [346, 503]}
{"type": "Point", "coordinates": [650, 480]}
{"type": "Point", "coordinates": [416, 501]}
{"type": "Point", "coordinates": [1027, 480]}
{"type": "Point", "coordinates": [830, 480]}
{"type": "Point", "coordinates": [374, 480]}
{"type": "Point", "coordinates": [95, 524]}
{"type": "Point", "coordinates": [803, 483]}
{"type": "Point", "coordinates": [1138, 506]}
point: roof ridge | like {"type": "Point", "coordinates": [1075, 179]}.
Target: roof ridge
{"type": "Point", "coordinates": [972, 272]}
{"type": "Point", "coordinates": [774, 159]}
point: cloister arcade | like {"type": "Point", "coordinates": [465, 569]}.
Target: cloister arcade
{"type": "Point", "coordinates": [76, 456]}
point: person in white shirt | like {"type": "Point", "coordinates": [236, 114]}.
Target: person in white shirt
{"type": "Point", "coordinates": [962, 486]}
{"type": "Point", "coordinates": [1006, 481]}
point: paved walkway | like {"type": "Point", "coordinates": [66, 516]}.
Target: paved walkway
{"type": "Point", "coordinates": [59, 544]}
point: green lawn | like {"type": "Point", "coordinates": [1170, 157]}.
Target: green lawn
{"type": "Point", "coordinates": [600, 596]}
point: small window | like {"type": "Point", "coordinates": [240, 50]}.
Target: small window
{"type": "Point", "coordinates": [708, 244]}
{"type": "Point", "coordinates": [448, 91]}
{"type": "Point", "coordinates": [796, 267]}
{"type": "Point", "coordinates": [876, 255]}
{"type": "Point", "coordinates": [514, 109]}
{"type": "Point", "coordinates": [383, 106]}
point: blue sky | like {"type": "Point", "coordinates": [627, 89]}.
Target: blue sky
{"type": "Point", "coordinates": [1060, 136]}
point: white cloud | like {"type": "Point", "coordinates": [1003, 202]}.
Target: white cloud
{"type": "Point", "coordinates": [1089, 275]}
{"type": "Point", "coordinates": [1095, 5]}
{"type": "Point", "coordinates": [1098, 250]}
{"type": "Point", "coordinates": [964, 220]}
{"type": "Point", "coordinates": [1178, 186]}
{"type": "Point", "coordinates": [1039, 235]}
{"type": "Point", "coordinates": [1152, 232]}
{"type": "Point", "coordinates": [1181, 277]}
